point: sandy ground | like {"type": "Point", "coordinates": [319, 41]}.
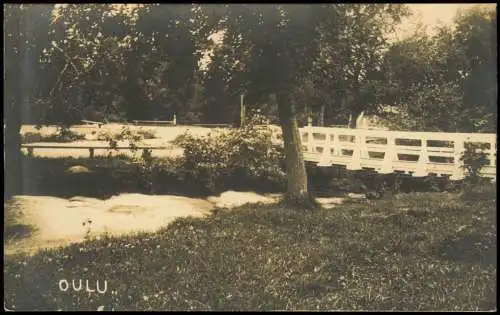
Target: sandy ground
{"type": "Point", "coordinates": [59, 221]}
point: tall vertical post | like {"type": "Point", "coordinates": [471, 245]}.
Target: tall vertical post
{"type": "Point", "coordinates": [390, 155]}
{"type": "Point", "coordinates": [242, 111]}
{"type": "Point", "coordinates": [175, 120]}
{"type": "Point", "coordinates": [355, 163]}
{"type": "Point", "coordinates": [458, 149]}
{"type": "Point", "coordinates": [321, 122]}
{"type": "Point", "coordinates": [423, 159]}
{"type": "Point", "coordinates": [309, 117]}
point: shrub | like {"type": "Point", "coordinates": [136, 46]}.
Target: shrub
{"type": "Point", "coordinates": [63, 134]}
{"type": "Point", "coordinates": [168, 175]}
{"type": "Point", "coordinates": [233, 158]}
{"type": "Point", "coordinates": [147, 133]}
{"type": "Point", "coordinates": [125, 134]}
{"type": "Point", "coordinates": [474, 159]}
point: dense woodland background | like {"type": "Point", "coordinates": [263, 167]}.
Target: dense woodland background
{"type": "Point", "coordinates": [102, 61]}
{"type": "Point", "coordinates": [111, 62]}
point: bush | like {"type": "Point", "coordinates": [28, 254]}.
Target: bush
{"type": "Point", "coordinates": [147, 133]}
{"type": "Point", "coordinates": [125, 134]}
{"type": "Point", "coordinates": [474, 159]}
{"type": "Point", "coordinates": [63, 134]}
{"type": "Point", "coordinates": [66, 135]}
{"type": "Point", "coordinates": [234, 158]}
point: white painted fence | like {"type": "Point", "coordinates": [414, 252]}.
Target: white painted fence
{"type": "Point", "coordinates": [415, 153]}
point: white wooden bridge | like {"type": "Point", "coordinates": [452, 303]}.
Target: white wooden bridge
{"type": "Point", "coordinates": [414, 153]}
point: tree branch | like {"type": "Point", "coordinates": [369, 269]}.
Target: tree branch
{"type": "Point", "coordinates": [68, 59]}
{"type": "Point", "coordinates": [58, 79]}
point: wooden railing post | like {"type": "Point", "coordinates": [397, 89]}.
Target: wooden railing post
{"type": "Point", "coordinates": [356, 154]}
{"type": "Point", "coordinates": [310, 146]}
{"type": "Point", "coordinates": [458, 150]}
{"type": "Point", "coordinates": [325, 158]}
{"type": "Point", "coordinates": [389, 156]}
{"type": "Point", "coordinates": [492, 151]}
{"type": "Point", "coordinates": [363, 151]}
{"type": "Point", "coordinates": [333, 143]}
{"type": "Point", "coordinates": [337, 151]}
{"type": "Point", "coordinates": [423, 159]}
{"type": "Point", "coordinates": [328, 147]}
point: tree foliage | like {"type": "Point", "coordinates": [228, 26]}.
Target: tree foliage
{"type": "Point", "coordinates": [447, 82]}
{"type": "Point", "coordinates": [348, 69]}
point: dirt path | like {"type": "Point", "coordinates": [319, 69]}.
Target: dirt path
{"type": "Point", "coordinates": [59, 221]}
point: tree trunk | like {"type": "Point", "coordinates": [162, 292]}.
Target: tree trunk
{"type": "Point", "coordinates": [321, 121]}
{"type": "Point", "coordinates": [13, 97]}
{"type": "Point", "coordinates": [12, 148]}
{"type": "Point", "coordinates": [352, 122]}
{"type": "Point", "coordinates": [242, 111]}
{"type": "Point", "coordinates": [297, 194]}
{"type": "Point", "coordinates": [134, 107]}
{"type": "Point", "coordinates": [353, 118]}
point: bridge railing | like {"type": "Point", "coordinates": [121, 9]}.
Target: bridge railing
{"type": "Point", "coordinates": [31, 148]}
{"type": "Point", "coordinates": [416, 153]}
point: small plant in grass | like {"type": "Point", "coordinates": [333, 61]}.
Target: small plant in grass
{"type": "Point", "coordinates": [87, 224]}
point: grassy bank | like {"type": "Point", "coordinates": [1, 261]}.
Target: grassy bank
{"type": "Point", "coordinates": [417, 251]}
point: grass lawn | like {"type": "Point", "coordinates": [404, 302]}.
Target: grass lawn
{"type": "Point", "coordinates": [417, 251]}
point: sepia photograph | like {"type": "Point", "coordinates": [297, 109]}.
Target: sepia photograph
{"type": "Point", "coordinates": [250, 157]}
